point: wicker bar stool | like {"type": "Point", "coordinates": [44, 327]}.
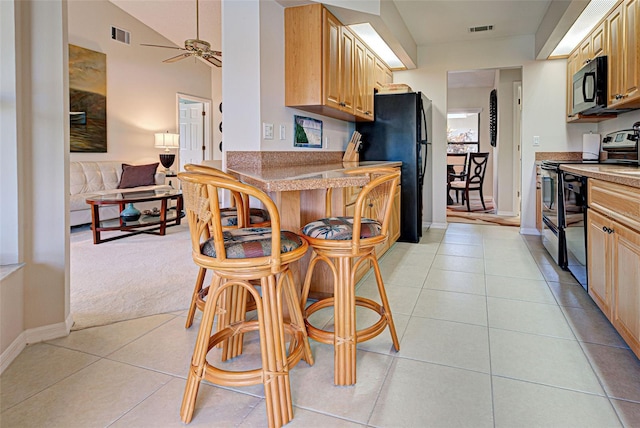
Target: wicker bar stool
{"type": "Point", "coordinates": [237, 216]}
{"type": "Point", "coordinates": [343, 243]}
{"type": "Point", "coordinates": [236, 257]}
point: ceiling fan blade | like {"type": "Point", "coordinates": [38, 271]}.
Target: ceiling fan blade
{"type": "Point", "coordinates": [178, 57]}
{"type": "Point", "coordinates": [216, 53]}
{"type": "Point", "coordinates": [212, 60]}
{"type": "Point", "coordinates": [160, 46]}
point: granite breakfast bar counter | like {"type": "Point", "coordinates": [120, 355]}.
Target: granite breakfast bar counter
{"type": "Point", "coordinates": [297, 183]}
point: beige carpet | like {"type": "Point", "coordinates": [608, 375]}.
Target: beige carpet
{"type": "Point", "coordinates": [130, 278]}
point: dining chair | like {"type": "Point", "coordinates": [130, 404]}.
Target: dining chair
{"type": "Point", "coordinates": [236, 257]}
{"type": "Point", "coordinates": [457, 164]}
{"type": "Point", "coordinates": [236, 216]}
{"type": "Point", "coordinates": [344, 243]}
{"type": "Point", "coordinates": [474, 178]}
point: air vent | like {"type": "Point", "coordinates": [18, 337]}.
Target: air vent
{"type": "Point", "coordinates": [481, 28]}
{"type": "Point", "coordinates": [120, 35]}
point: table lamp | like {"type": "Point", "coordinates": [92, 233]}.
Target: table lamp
{"type": "Point", "coordinates": [167, 142]}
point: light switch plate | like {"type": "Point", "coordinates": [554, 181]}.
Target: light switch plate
{"type": "Point", "coordinates": [536, 140]}
{"type": "Point", "coordinates": [267, 131]}
{"type": "Point", "coordinates": [283, 132]}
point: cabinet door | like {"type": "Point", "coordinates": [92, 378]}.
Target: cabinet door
{"type": "Point", "coordinates": [616, 57]}
{"type": "Point", "coordinates": [631, 72]}
{"type": "Point", "coordinates": [394, 221]}
{"type": "Point", "coordinates": [360, 78]}
{"type": "Point", "coordinates": [370, 66]}
{"type": "Point", "coordinates": [572, 67]}
{"type": "Point", "coordinates": [599, 260]}
{"type": "Point", "coordinates": [626, 285]}
{"type": "Point", "coordinates": [347, 47]}
{"type": "Point", "coordinates": [598, 40]}
{"type": "Point", "coordinates": [331, 74]}
{"type": "Point", "coordinates": [585, 51]}
{"type": "Point", "coordinates": [380, 73]}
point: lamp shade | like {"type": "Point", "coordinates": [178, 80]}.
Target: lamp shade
{"type": "Point", "coordinates": [167, 141]}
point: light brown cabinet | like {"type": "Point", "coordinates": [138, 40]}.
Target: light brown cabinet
{"type": "Point", "coordinates": [599, 260]}
{"type": "Point", "coordinates": [613, 249]}
{"type": "Point", "coordinates": [364, 79]}
{"type": "Point", "coordinates": [618, 37]}
{"type": "Point", "coordinates": [328, 70]}
{"type": "Point", "coordinates": [624, 70]}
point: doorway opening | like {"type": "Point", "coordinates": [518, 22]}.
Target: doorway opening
{"type": "Point", "coordinates": [194, 124]}
{"type": "Point", "coordinates": [478, 93]}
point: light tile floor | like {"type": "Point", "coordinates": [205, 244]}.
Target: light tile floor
{"type": "Point", "coordinates": [492, 334]}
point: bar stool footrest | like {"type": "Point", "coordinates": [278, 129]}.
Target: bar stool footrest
{"type": "Point", "coordinates": [328, 337]}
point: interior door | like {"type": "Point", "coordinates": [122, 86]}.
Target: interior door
{"type": "Point", "coordinates": [191, 133]}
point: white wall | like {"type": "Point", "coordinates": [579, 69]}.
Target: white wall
{"type": "Point", "coordinates": [543, 106]}
{"type": "Point", "coordinates": [506, 146]}
{"type": "Point", "coordinates": [623, 121]}
{"type": "Point", "coordinates": [41, 124]}
{"type": "Point", "coordinates": [141, 90]}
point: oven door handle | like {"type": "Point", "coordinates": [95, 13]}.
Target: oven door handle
{"type": "Point", "coordinates": [549, 168]}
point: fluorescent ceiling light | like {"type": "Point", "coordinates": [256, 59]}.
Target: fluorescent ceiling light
{"type": "Point", "coordinates": [588, 19]}
{"type": "Point", "coordinates": [368, 35]}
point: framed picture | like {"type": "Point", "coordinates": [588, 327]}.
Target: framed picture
{"type": "Point", "coordinates": [87, 100]}
{"type": "Point", "coordinates": [307, 132]}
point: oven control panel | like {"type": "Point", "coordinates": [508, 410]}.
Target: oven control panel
{"type": "Point", "coordinates": [623, 139]}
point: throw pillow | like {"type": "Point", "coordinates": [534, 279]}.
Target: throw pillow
{"type": "Point", "coordinates": [138, 175]}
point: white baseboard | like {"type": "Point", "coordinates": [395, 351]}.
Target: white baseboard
{"type": "Point", "coordinates": [437, 225]}
{"type": "Point", "coordinates": [529, 231]}
{"type": "Point", "coordinates": [34, 335]}
{"type": "Point", "coordinates": [12, 352]}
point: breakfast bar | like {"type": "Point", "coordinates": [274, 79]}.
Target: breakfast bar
{"type": "Point", "coordinates": [297, 183]}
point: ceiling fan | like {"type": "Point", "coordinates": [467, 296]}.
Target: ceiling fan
{"type": "Point", "coordinates": [194, 47]}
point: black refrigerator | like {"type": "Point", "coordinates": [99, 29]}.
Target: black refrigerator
{"type": "Point", "coordinates": [401, 131]}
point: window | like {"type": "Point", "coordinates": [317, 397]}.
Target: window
{"type": "Point", "coordinates": [463, 131]}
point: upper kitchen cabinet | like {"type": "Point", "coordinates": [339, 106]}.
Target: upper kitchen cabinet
{"type": "Point", "coordinates": [618, 37]}
{"type": "Point", "coordinates": [328, 70]}
{"type": "Point", "coordinates": [623, 44]}
{"type": "Point", "coordinates": [594, 45]}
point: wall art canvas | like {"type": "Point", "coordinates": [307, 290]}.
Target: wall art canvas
{"type": "Point", "coordinates": [307, 132]}
{"type": "Point", "coordinates": [87, 100]}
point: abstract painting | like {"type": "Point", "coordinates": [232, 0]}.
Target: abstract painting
{"type": "Point", "coordinates": [87, 100]}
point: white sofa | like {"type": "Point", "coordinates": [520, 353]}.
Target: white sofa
{"type": "Point", "coordinates": [98, 178]}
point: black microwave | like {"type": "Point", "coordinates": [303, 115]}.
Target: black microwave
{"type": "Point", "coordinates": [590, 87]}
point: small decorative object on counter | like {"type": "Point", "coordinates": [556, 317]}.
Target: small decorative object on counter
{"type": "Point", "coordinates": [130, 213]}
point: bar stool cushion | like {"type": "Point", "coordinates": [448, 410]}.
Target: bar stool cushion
{"type": "Point", "coordinates": [229, 216]}
{"type": "Point", "coordinates": [252, 242]}
{"type": "Point", "coordinates": [341, 228]}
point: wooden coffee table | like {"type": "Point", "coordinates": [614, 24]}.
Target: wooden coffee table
{"type": "Point", "coordinates": [152, 224]}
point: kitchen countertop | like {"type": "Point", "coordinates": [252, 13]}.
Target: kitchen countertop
{"type": "Point", "coordinates": [306, 177]}
{"type": "Point", "coordinates": [621, 174]}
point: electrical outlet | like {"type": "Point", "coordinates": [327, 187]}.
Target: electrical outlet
{"type": "Point", "coordinates": [283, 132]}
{"type": "Point", "coordinates": [267, 131]}
{"type": "Point", "coordinates": [536, 140]}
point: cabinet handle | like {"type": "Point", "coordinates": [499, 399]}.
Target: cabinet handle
{"type": "Point", "coordinates": [343, 105]}
{"type": "Point", "coordinates": [368, 113]}
{"type": "Point", "coordinates": [607, 230]}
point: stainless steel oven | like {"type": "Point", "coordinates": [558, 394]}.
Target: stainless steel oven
{"type": "Point", "coordinates": [551, 232]}
{"type": "Point", "coordinates": [573, 224]}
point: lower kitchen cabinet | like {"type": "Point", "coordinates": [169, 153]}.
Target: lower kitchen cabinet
{"type": "Point", "coordinates": [626, 285]}
{"type": "Point", "coordinates": [613, 239]}
{"type": "Point", "coordinates": [599, 260]}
